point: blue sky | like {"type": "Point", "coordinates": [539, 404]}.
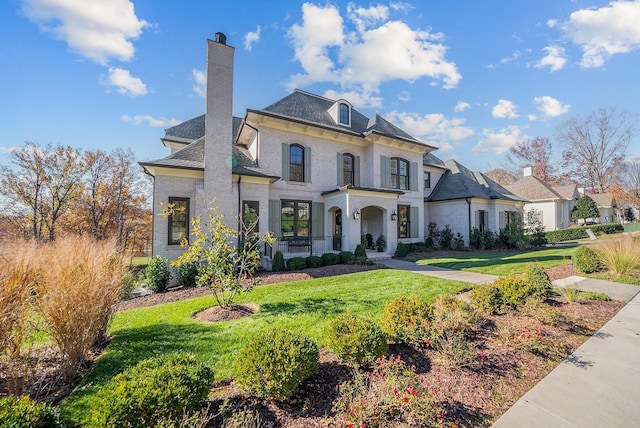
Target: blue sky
{"type": "Point", "coordinates": [471, 77]}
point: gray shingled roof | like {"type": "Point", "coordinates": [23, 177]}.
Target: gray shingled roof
{"type": "Point", "coordinates": [566, 191]}
{"type": "Point", "coordinates": [533, 189]}
{"type": "Point", "coordinates": [313, 109]}
{"type": "Point", "coordinates": [459, 182]}
{"type": "Point", "coordinates": [192, 156]}
{"type": "Point", "coordinates": [187, 131]}
{"type": "Point", "coordinates": [602, 200]}
{"type": "Point", "coordinates": [432, 160]}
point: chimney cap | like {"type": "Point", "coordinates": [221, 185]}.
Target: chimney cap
{"type": "Point", "coordinates": [527, 171]}
{"type": "Point", "coordinates": [221, 38]}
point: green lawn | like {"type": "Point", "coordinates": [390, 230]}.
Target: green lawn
{"type": "Point", "coordinates": [140, 261]}
{"type": "Point", "coordinates": [502, 263]}
{"type": "Point", "coordinates": [305, 306]}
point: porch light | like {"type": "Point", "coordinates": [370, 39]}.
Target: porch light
{"type": "Point", "coordinates": [394, 216]}
{"type": "Point", "coordinates": [356, 214]}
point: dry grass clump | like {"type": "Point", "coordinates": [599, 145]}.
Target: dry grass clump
{"type": "Point", "coordinates": [620, 256]}
{"type": "Point", "coordinates": [16, 298]}
{"type": "Point", "coordinates": [78, 283]}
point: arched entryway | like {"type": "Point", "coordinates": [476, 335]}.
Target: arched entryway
{"type": "Point", "coordinates": [372, 225]}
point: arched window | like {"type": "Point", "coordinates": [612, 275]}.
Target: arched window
{"type": "Point", "coordinates": [296, 163]}
{"type": "Point", "coordinates": [348, 169]}
{"type": "Point", "coordinates": [343, 115]}
{"type": "Point", "coordinates": [399, 174]}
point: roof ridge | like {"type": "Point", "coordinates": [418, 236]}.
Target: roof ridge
{"type": "Point", "coordinates": [313, 95]}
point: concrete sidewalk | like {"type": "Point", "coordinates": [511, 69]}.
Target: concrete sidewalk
{"type": "Point", "coordinates": [598, 385]}
{"type": "Point", "coordinates": [438, 272]}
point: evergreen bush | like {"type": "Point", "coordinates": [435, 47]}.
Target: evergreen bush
{"type": "Point", "coordinates": [330, 259]}
{"type": "Point", "coordinates": [487, 298]}
{"type": "Point", "coordinates": [160, 389]}
{"type": "Point", "coordinates": [187, 273]}
{"type": "Point", "coordinates": [345, 257]}
{"type": "Point", "coordinates": [355, 339]}
{"type": "Point", "coordinates": [278, 262]}
{"type": "Point", "coordinates": [586, 260]}
{"type": "Point", "coordinates": [275, 362]}
{"type": "Point", "coordinates": [538, 281]}
{"type": "Point", "coordinates": [296, 263]}
{"type": "Point", "coordinates": [402, 249]}
{"type": "Point", "coordinates": [406, 319]}
{"type": "Point", "coordinates": [360, 252]}
{"type": "Point", "coordinates": [24, 412]}
{"type": "Point", "coordinates": [314, 261]}
{"type": "Point", "coordinates": [157, 274]}
{"type": "Point", "coordinates": [446, 238]}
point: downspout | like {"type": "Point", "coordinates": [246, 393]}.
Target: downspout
{"type": "Point", "coordinates": [469, 209]}
{"type": "Point", "coordinates": [239, 212]}
{"type": "Point", "coordinates": [153, 199]}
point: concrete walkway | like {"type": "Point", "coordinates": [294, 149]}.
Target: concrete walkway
{"type": "Point", "coordinates": [439, 272]}
{"type": "Point", "coordinates": [596, 386]}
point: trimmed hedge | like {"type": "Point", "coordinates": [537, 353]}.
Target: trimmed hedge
{"type": "Point", "coordinates": [296, 263]}
{"type": "Point", "coordinates": [580, 232]}
{"type": "Point", "coordinates": [330, 259]}
{"type": "Point", "coordinates": [345, 257]}
{"type": "Point", "coordinates": [24, 412]}
{"type": "Point", "coordinates": [355, 339]}
{"type": "Point", "coordinates": [314, 261]}
{"type": "Point", "coordinates": [275, 362]}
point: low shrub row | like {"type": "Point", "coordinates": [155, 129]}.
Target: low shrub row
{"type": "Point", "coordinates": [327, 259]}
{"type": "Point", "coordinates": [580, 232]}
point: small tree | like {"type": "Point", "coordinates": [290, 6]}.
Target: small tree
{"type": "Point", "coordinates": [226, 268]}
{"type": "Point", "coordinates": [585, 208]}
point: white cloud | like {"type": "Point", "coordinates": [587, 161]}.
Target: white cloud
{"type": "Point", "coordinates": [555, 58]}
{"type": "Point", "coordinates": [551, 23]}
{"type": "Point", "coordinates": [250, 38]}
{"type": "Point", "coordinates": [200, 82]}
{"type": "Point", "coordinates": [96, 29]}
{"type": "Point", "coordinates": [377, 50]}
{"type": "Point", "coordinates": [401, 6]}
{"type": "Point", "coordinates": [504, 109]}
{"type": "Point", "coordinates": [500, 141]}
{"type": "Point", "coordinates": [604, 32]}
{"type": "Point", "coordinates": [461, 106]}
{"type": "Point", "coordinates": [362, 97]}
{"type": "Point", "coordinates": [405, 96]}
{"type": "Point", "coordinates": [124, 82]}
{"type": "Point", "coordinates": [150, 120]}
{"type": "Point", "coordinates": [7, 150]}
{"type": "Point", "coordinates": [551, 107]}
{"type": "Point", "coordinates": [434, 129]}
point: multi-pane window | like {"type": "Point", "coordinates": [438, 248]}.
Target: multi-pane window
{"type": "Point", "coordinates": [296, 163]}
{"type": "Point", "coordinates": [427, 180]}
{"type": "Point", "coordinates": [344, 114]}
{"type": "Point", "coordinates": [178, 220]}
{"type": "Point", "coordinates": [295, 219]}
{"type": "Point", "coordinates": [348, 169]}
{"type": "Point", "coordinates": [482, 220]}
{"type": "Point", "coordinates": [403, 221]}
{"type": "Point", "coordinates": [399, 174]}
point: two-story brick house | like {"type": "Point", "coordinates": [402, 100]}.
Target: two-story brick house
{"type": "Point", "coordinates": [318, 173]}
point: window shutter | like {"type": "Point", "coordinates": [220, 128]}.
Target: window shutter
{"type": "Point", "coordinates": [502, 219]}
{"type": "Point", "coordinates": [477, 224]}
{"type": "Point", "coordinates": [339, 162]}
{"type": "Point", "coordinates": [413, 176]}
{"type": "Point", "coordinates": [307, 164]}
{"type": "Point", "coordinates": [285, 161]}
{"type": "Point", "coordinates": [356, 171]}
{"type": "Point", "coordinates": [275, 211]}
{"type": "Point", "coordinates": [486, 219]}
{"type": "Point", "coordinates": [414, 222]}
{"type": "Point", "coordinates": [385, 172]}
{"type": "Point", "coordinates": [317, 219]}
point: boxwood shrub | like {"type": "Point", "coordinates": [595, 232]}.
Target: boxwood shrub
{"type": "Point", "coordinates": [314, 261]}
{"type": "Point", "coordinates": [187, 273]}
{"type": "Point", "coordinates": [275, 362]}
{"type": "Point", "coordinates": [586, 260]}
{"type": "Point", "coordinates": [402, 250]}
{"type": "Point", "coordinates": [345, 257]}
{"type": "Point", "coordinates": [406, 319]}
{"type": "Point", "coordinates": [580, 232]}
{"type": "Point", "coordinates": [157, 274]}
{"type": "Point", "coordinates": [330, 259]}
{"type": "Point", "coordinates": [487, 298]}
{"type": "Point", "coordinates": [538, 281]}
{"type": "Point", "coordinates": [355, 339]}
{"type": "Point", "coordinates": [296, 263]}
{"type": "Point", "coordinates": [278, 262]}
{"type": "Point", "coordinates": [24, 412]}
{"type": "Point", "coordinates": [156, 390]}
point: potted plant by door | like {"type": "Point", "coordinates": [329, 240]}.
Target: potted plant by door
{"type": "Point", "coordinates": [380, 243]}
{"type": "Point", "coordinates": [369, 238]}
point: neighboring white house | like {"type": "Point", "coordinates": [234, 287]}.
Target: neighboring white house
{"type": "Point", "coordinates": [319, 174]}
{"type": "Point", "coordinates": [551, 205]}
{"type": "Point", "coordinates": [607, 206]}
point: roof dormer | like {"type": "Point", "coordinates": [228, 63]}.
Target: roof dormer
{"type": "Point", "coordinates": [340, 112]}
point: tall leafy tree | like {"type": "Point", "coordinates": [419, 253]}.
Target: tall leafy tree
{"type": "Point", "coordinates": [595, 146]}
{"type": "Point", "coordinates": [537, 153]}
{"type": "Point", "coordinates": [585, 208]}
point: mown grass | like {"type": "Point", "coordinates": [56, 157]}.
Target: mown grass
{"type": "Point", "coordinates": [502, 263]}
{"type": "Point", "coordinates": [305, 306]}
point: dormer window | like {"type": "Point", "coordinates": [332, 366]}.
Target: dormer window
{"type": "Point", "coordinates": [340, 112]}
{"type": "Point", "coordinates": [344, 111]}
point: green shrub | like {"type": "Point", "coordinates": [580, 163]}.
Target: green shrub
{"type": "Point", "coordinates": [593, 295]}
{"type": "Point", "coordinates": [330, 259]}
{"type": "Point", "coordinates": [418, 247]}
{"type": "Point", "coordinates": [406, 319]}
{"type": "Point", "coordinates": [429, 243]}
{"type": "Point", "coordinates": [314, 261]}
{"type": "Point", "coordinates": [296, 263]}
{"type": "Point", "coordinates": [355, 339]}
{"type": "Point", "coordinates": [360, 251]}
{"type": "Point", "coordinates": [157, 274]}
{"type": "Point", "coordinates": [514, 289]}
{"type": "Point", "coordinates": [487, 298]}
{"type": "Point", "coordinates": [458, 242]}
{"type": "Point", "coordinates": [187, 273]}
{"type": "Point", "coordinates": [538, 281]}
{"type": "Point", "coordinates": [489, 239]}
{"type": "Point", "coordinates": [446, 238]}
{"type": "Point", "coordinates": [402, 250]}
{"type": "Point", "coordinates": [274, 363]}
{"type": "Point", "coordinates": [345, 257]}
{"type": "Point", "coordinates": [157, 389]}
{"type": "Point", "coordinates": [451, 314]}
{"type": "Point", "coordinates": [278, 262]}
{"type": "Point", "coordinates": [23, 412]}
{"type": "Point", "coordinates": [581, 232]}
{"type": "Point", "coordinates": [476, 239]}
{"type": "Point", "coordinates": [586, 260]}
